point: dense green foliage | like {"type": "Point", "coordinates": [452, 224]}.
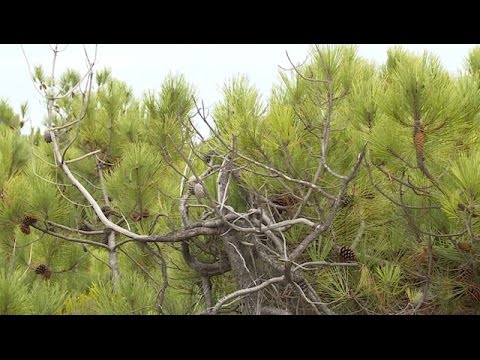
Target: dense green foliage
{"type": "Point", "coordinates": [410, 214]}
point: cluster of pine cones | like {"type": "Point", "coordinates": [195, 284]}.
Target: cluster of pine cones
{"type": "Point", "coordinates": [26, 223]}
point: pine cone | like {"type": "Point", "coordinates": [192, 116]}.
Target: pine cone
{"type": "Point", "coordinates": [367, 194]}
{"type": "Point", "coordinates": [47, 136]}
{"type": "Point", "coordinates": [29, 220]}
{"type": "Point", "coordinates": [25, 228]}
{"type": "Point", "coordinates": [465, 272]}
{"type": "Point", "coordinates": [40, 269]}
{"type": "Point", "coordinates": [465, 245]}
{"type": "Point", "coordinates": [474, 291]}
{"type": "Point", "coordinates": [191, 184]}
{"type": "Point", "coordinates": [346, 200]}
{"type": "Point", "coordinates": [286, 200]}
{"type": "Point", "coordinates": [107, 210]}
{"type": "Point", "coordinates": [419, 141]}
{"type": "Point", "coordinates": [208, 157]}
{"type": "Point", "coordinates": [43, 270]}
{"type": "Point", "coordinates": [137, 216]}
{"type": "Point", "coordinates": [199, 191]}
{"type": "Point", "coordinates": [347, 254]}
{"type": "Point", "coordinates": [421, 256]}
{"type": "Point", "coordinates": [463, 208]}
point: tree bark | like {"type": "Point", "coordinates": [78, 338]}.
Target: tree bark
{"type": "Point", "coordinates": [241, 271]}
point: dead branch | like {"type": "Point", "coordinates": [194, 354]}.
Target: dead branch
{"type": "Point", "coordinates": [243, 292]}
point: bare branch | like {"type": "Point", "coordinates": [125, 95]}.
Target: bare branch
{"type": "Point", "coordinates": [305, 266]}
{"type": "Point", "coordinates": [301, 75]}
{"type": "Point", "coordinates": [140, 267]}
{"type": "Point", "coordinates": [60, 236]}
{"type": "Point", "coordinates": [83, 156]}
{"type": "Point", "coordinates": [390, 198]}
{"type": "Point", "coordinates": [268, 310]}
{"type": "Point", "coordinates": [96, 232]}
{"type": "Point", "coordinates": [243, 292]}
{"type": "Point", "coordinates": [326, 224]}
{"type": "Point", "coordinates": [96, 257]}
{"type": "Point", "coordinates": [207, 291]}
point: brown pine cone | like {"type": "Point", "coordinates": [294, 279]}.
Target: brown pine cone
{"type": "Point", "coordinates": [347, 254]}
{"type": "Point", "coordinates": [107, 210]}
{"type": "Point", "coordinates": [29, 220]}
{"type": "Point", "coordinates": [465, 272]}
{"type": "Point", "coordinates": [47, 136]}
{"type": "Point", "coordinates": [474, 291]}
{"type": "Point", "coordinates": [25, 228]}
{"type": "Point", "coordinates": [465, 245]}
{"type": "Point", "coordinates": [137, 216]}
{"type": "Point", "coordinates": [41, 269]}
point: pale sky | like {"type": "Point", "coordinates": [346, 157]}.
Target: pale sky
{"type": "Point", "coordinates": [207, 67]}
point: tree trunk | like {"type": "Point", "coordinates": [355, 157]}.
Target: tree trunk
{"type": "Point", "coordinates": [241, 268]}
{"type": "Point", "coordinates": [112, 258]}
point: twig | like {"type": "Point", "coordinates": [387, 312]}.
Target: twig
{"type": "Point", "coordinates": [96, 257]}
{"type": "Point", "coordinates": [361, 229]}
{"type": "Point", "coordinates": [95, 232]}
{"type": "Point", "coordinates": [140, 266]}
{"type": "Point", "coordinates": [323, 263]}
{"type": "Point", "coordinates": [60, 236]}
{"type": "Point", "coordinates": [326, 224]}
{"type": "Point", "coordinates": [82, 157]}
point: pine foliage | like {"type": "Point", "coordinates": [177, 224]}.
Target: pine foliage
{"type": "Point", "coordinates": [403, 240]}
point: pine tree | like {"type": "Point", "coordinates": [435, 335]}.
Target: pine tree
{"type": "Point", "coordinates": [353, 189]}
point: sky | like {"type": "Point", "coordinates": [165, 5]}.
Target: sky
{"type": "Point", "coordinates": [207, 67]}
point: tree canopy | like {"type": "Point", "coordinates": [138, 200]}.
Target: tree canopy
{"type": "Point", "coordinates": [353, 189]}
